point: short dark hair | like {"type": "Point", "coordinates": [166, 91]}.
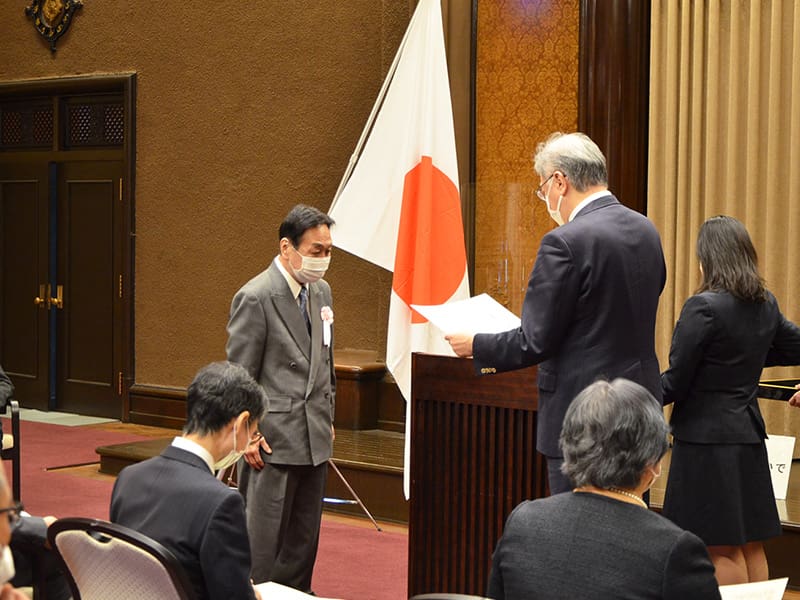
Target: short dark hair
{"type": "Point", "coordinates": [220, 392]}
{"type": "Point", "coordinates": [299, 220]}
{"type": "Point", "coordinates": [611, 433]}
{"type": "Point", "coordinates": [729, 260]}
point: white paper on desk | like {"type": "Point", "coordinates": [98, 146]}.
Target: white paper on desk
{"type": "Point", "coordinates": [275, 591]}
{"type": "Point", "coordinates": [479, 314]}
{"type": "Point", "coordinates": [772, 589]}
{"type": "Point", "coordinates": [779, 451]}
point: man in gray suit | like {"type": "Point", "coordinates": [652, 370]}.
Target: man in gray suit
{"type": "Point", "coordinates": [280, 330]}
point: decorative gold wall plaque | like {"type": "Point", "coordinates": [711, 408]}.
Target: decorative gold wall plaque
{"type": "Point", "coordinates": [52, 18]}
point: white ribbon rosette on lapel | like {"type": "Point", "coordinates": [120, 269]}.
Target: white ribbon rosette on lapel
{"type": "Point", "coordinates": [327, 320]}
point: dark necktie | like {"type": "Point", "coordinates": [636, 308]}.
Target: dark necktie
{"type": "Point", "coordinates": [303, 298]}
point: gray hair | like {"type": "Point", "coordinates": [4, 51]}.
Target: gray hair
{"type": "Point", "coordinates": [576, 156]}
{"type": "Point", "coordinates": [611, 433]}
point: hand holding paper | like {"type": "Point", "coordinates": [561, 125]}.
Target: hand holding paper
{"type": "Point", "coordinates": [461, 320]}
{"type": "Point", "coordinates": [461, 343]}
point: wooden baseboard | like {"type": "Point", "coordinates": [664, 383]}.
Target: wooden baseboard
{"type": "Point", "coordinates": [367, 397]}
{"type": "Point", "coordinates": [159, 406]}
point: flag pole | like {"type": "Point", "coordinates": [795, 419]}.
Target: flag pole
{"type": "Point", "coordinates": [381, 94]}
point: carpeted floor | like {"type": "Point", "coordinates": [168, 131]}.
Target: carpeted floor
{"type": "Point", "coordinates": [355, 562]}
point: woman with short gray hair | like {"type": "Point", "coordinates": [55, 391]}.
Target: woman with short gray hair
{"type": "Point", "coordinates": [599, 540]}
{"type": "Point", "coordinates": [609, 442]}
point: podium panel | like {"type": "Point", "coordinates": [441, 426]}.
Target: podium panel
{"type": "Point", "coordinates": [473, 459]}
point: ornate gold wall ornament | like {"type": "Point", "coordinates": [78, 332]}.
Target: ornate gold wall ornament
{"type": "Point", "coordinates": [52, 18]}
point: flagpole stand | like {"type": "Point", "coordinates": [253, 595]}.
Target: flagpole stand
{"type": "Point", "coordinates": [352, 493]}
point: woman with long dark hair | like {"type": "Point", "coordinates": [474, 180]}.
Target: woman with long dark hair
{"type": "Point", "coordinates": [719, 484]}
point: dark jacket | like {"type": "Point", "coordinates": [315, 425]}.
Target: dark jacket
{"type": "Point", "coordinates": [174, 499]}
{"type": "Point", "coordinates": [719, 347]}
{"type": "Point", "coordinates": [583, 545]}
{"type": "Point", "coordinates": [589, 312]}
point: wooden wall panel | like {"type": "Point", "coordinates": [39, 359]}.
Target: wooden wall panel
{"type": "Point", "coordinates": [473, 459]}
{"type": "Point", "coordinates": [614, 91]}
{"type": "Point", "coordinates": [526, 88]}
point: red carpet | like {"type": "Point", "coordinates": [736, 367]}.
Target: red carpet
{"type": "Point", "coordinates": [58, 493]}
{"type": "Point", "coordinates": [353, 563]}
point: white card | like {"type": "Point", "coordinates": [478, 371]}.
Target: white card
{"type": "Point", "coordinates": [779, 451]}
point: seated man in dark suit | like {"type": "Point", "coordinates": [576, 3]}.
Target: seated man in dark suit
{"type": "Point", "coordinates": [34, 560]}
{"type": "Point", "coordinates": [29, 545]}
{"type": "Point", "coordinates": [175, 499]}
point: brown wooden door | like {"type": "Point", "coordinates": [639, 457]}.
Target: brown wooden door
{"type": "Point", "coordinates": [89, 361]}
{"type": "Point", "coordinates": [24, 314]}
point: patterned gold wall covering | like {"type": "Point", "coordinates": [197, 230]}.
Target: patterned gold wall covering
{"type": "Point", "coordinates": [526, 88]}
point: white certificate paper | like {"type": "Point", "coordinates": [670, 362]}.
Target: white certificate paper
{"type": "Point", "coordinates": [772, 589]}
{"type": "Point", "coordinates": [479, 314]}
{"type": "Point", "coordinates": [275, 591]}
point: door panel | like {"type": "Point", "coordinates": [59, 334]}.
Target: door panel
{"type": "Point", "coordinates": [89, 259]}
{"type": "Point", "coordinates": [23, 277]}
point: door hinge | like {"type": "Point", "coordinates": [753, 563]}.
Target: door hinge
{"type": "Point", "coordinates": [120, 286]}
{"type": "Point", "coordinates": [119, 384]}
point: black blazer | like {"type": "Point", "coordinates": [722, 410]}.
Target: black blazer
{"type": "Point", "coordinates": [587, 546]}
{"type": "Point", "coordinates": [174, 499]}
{"type": "Point", "coordinates": [719, 347]}
{"type": "Point", "coordinates": [589, 312]}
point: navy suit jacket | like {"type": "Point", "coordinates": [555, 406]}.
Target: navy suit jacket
{"type": "Point", "coordinates": [176, 500]}
{"type": "Point", "coordinates": [589, 312]}
{"type": "Point", "coordinates": [719, 347]}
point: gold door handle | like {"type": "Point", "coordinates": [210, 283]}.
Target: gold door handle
{"type": "Point", "coordinates": [58, 301]}
{"type": "Point", "coordinates": [40, 300]}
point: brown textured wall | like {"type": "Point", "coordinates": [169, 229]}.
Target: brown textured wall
{"type": "Point", "coordinates": [243, 109]}
{"type": "Point", "coordinates": [527, 87]}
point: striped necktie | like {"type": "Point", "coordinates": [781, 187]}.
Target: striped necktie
{"type": "Point", "coordinates": [303, 299]}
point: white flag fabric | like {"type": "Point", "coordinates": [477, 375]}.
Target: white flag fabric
{"type": "Point", "coordinates": [400, 209]}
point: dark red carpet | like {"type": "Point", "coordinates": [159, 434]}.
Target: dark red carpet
{"type": "Point", "coordinates": [353, 563]}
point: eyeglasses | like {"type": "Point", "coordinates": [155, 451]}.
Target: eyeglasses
{"type": "Point", "coordinates": [13, 513]}
{"type": "Point", "coordinates": [539, 190]}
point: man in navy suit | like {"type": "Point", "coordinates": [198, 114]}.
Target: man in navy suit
{"type": "Point", "coordinates": [590, 308]}
{"type": "Point", "coordinates": [175, 499]}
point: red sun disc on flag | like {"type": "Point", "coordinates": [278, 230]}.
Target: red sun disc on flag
{"type": "Point", "coordinates": [430, 261]}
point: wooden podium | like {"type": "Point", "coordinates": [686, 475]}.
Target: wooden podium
{"type": "Point", "coordinates": [473, 459]}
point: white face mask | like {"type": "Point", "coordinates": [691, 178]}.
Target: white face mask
{"type": "Point", "coordinates": [7, 570]}
{"type": "Point", "coordinates": [554, 214]}
{"type": "Point", "coordinates": [231, 457]}
{"type": "Point", "coordinates": [312, 268]}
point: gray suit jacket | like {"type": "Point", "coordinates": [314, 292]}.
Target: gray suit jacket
{"type": "Point", "coordinates": [268, 336]}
